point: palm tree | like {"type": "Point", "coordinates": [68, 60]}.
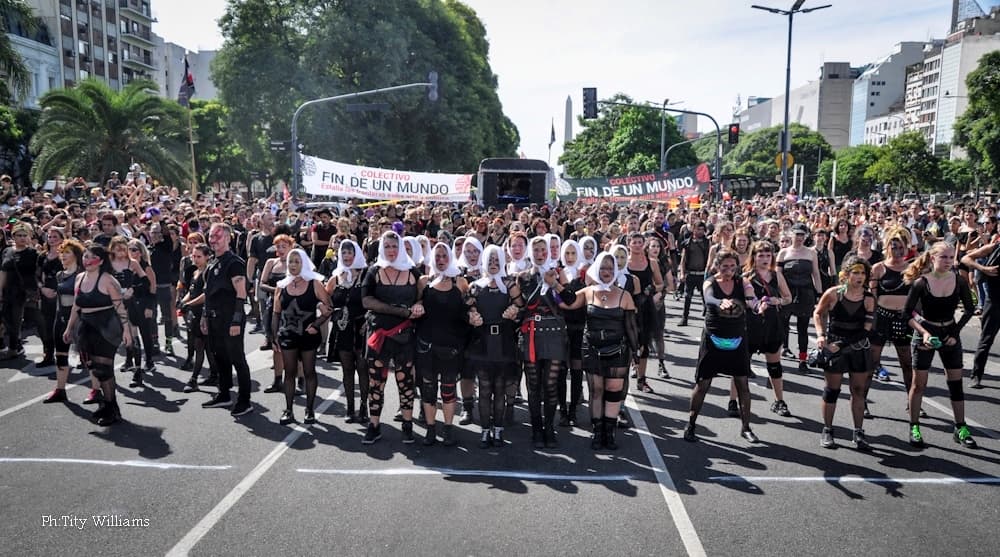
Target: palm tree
{"type": "Point", "coordinates": [11, 64]}
{"type": "Point", "coordinates": [90, 130]}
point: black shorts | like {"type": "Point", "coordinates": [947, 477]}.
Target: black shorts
{"type": "Point", "coordinates": [304, 342]}
{"type": "Point", "coordinates": [891, 327]}
{"type": "Point", "coordinates": [923, 356]}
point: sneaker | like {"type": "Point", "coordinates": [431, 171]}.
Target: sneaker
{"type": "Point", "coordinates": [882, 374]}
{"type": "Point", "coordinates": [663, 371]}
{"type": "Point", "coordinates": [218, 401]}
{"type": "Point", "coordinates": [860, 441]}
{"type": "Point", "coordinates": [374, 433]}
{"type": "Point", "coordinates": [780, 408]}
{"type": "Point", "coordinates": [734, 409]}
{"type": "Point", "coordinates": [169, 347]}
{"type": "Point", "coordinates": [287, 417]}
{"type": "Point", "coordinates": [57, 395]}
{"type": "Point", "coordinates": [310, 417]}
{"type": "Point", "coordinates": [408, 437]}
{"type": "Point", "coordinates": [826, 438]}
{"type": "Point", "coordinates": [787, 354]}
{"type": "Point", "coordinates": [498, 437]}
{"type": "Point", "coordinates": [916, 438]}
{"type": "Point", "coordinates": [466, 417]}
{"type": "Point", "coordinates": [624, 421]}
{"type": "Point", "coordinates": [93, 398]}
{"type": "Point", "coordinates": [241, 408]}
{"type": "Point", "coordinates": [750, 436]}
{"type": "Point", "coordinates": [689, 434]}
{"type": "Point", "coordinates": [486, 439]}
{"type": "Point", "coordinates": [964, 437]}
{"type": "Point", "coordinates": [191, 386]}
{"type": "Point", "coordinates": [644, 387]}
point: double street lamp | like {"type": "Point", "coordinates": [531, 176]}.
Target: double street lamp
{"type": "Point", "coordinates": [785, 143]}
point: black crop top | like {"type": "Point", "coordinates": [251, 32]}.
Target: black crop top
{"type": "Point", "coordinates": [93, 298]}
{"type": "Point", "coordinates": [892, 284]}
{"type": "Point", "coordinates": [941, 309]}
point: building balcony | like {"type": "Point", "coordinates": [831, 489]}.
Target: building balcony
{"type": "Point", "coordinates": [127, 7]}
{"type": "Point", "coordinates": [141, 64]}
{"type": "Point", "coordinates": [138, 37]}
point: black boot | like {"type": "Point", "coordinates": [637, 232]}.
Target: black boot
{"type": "Point", "coordinates": [550, 433]}
{"type": "Point", "coordinates": [508, 415]}
{"type": "Point", "coordinates": [564, 418]}
{"type": "Point", "coordinates": [276, 387]}
{"type": "Point", "coordinates": [448, 436]}
{"type": "Point", "coordinates": [431, 437]}
{"type": "Point", "coordinates": [136, 378]}
{"type": "Point", "coordinates": [467, 407]}
{"type": "Point", "coordinates": [537, 436]}
{"type": "Point", "coordinates": [610, 425]}
{"type": "Point", "coordinates": [597, 437]}
{"type": "Point", "coordinates": [111, 414]}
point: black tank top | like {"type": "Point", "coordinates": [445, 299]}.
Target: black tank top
{"type": "Point", "coordinates": [769, 289]}
{"type": "Point", "coordinates": [401, 295]}
{"type": "Point", "coordinates": [726, 325]}
{"type": "Point", "coordinates": [125, 277]}
{"type": "Point", "coordinates": [349, 296]}
{"type": "Point", "coordinates": [93, 298]}
{"type": "Point", "coordinates": [444, 322]}
{"type": "Point", "coordinates": [798, 272]}
{"type": "Point", "coordinates": [645, 276]}
{"type": "Point", "coordinates": [195, 289]}
{"type": "Point", "coordinates": [892, 284]}
{"type": "Point", "coordinates": [605, 326]}
{"type": "Point", "coordinates": [848, 316]}
{"type": "Point", "coordinates": [298, 312]}
{"type": "Point", "coordinates": [65, 286]}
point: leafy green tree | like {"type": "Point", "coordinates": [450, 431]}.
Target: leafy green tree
{"type": "Point", "coordinates": [978, 129]}
{"type": "Point", "coordinates": [957, 176]}
{"type": "Point", "coordinates": [852, 164]}
{"type": "Point", "coordinates": [11, 63]}
{"type": "Point", "coordinates": [621, 141]}
{"type": "Point", "coordinates": [907, 165]}
{"type": "Point", "coordinates": [218, 158]}
{"type": "Point", "coordinates": [16, 128]}
{"type": "Point", "coordinates": [90, 130]}
{"type": "Point", "coordinates": [268, 66]}
{"type": "Point", "coordinates": [756, 151]}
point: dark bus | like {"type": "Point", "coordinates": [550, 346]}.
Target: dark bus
{"type": "Point", "coordinates": [504, 181]}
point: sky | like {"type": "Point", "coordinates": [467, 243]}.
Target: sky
{"type": "Point", "coordinates": [700, 53]}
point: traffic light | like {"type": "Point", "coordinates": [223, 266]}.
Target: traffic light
{"type": "Point", "coordinates": [590, 102]}
{"type": "Point", "coordinates": [734, 134]}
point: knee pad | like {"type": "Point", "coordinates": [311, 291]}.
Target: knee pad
{"type": "Point", "coordinates": [62, 360]}
{"type": "Point", "coordinates": [614, 396]}
{"type": "Point", "coordinates": [830, 395]}
{"type": "Point", "coordinates": [774, 370]}
{"type": "Point", "coordinates": [448, 395]}
{"type": "Point", "coordinates": [955, 390]}
{"type": "Point", "coordinates": [102, 372]}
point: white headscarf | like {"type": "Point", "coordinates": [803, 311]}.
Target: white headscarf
{"type": "Point", "coordinates": [449, 272]}
{"type": "Point", "coordinates": [454, 247]}
{"type": "Point", "coordinates": [359, 261]}
{"type": "Point", "coordinates": [416, 249]}
{"type": "Point", "coordinates": [402, 262]}
{"type": "Point", "coordinates": [308, 271]}
{"type": "Point", "coordinates": [621, 275]}
{"type": "Point", "coordinates": [523, 264]}
{"type": "Point", "coordinates": [485, 281]}
{"type": "Point", "coordinates": [425, 249]}
{"type": "Point", "coordinates": [594, 272]}
{"type": "Point", "coordinates": [571, 272]}
{"type": "Point", "coordinates": [581, 255]}
{"type": "Point", "coordinates": [544, 267]}
{"type": "Point", "coordinates": [553, 257]}
{"type": "Point", "coordinates": [463, 263]}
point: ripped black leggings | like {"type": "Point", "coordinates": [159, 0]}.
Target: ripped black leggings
{"type": "Point", "coordinates": [497, 386]}
{"type": "Point", "coordinates": [290, 358]}
{"type": "Point", "coordinates": [379, 375]}
{"type": "Point", "coordinates": [353, 365]}
{"type": "Point", "coordinates": [543, 388]}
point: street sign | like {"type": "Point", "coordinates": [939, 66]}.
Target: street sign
{"type": "Point", "coordinates": [279, 145]}
{"type": "Point", "coordinates": [790, 162]}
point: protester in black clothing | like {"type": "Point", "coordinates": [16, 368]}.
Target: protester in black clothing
{"type": "Point", "coordinates": [193, 305]}
{"type": "Point", "coordinates": [347, 340]}
{"type": "Point", "coordinates": [71, 263]}
{"type": "Point", "coordinates": [224, 320]}
{"type": "Point", "coordinates": [165, 258]}
{"type": "Point", "coordinates": [19, 295]}
{"type": "Point", "coordinates": [990, 324]}
{"type": "Point", "coordinates": [694, 262]}
{"type": "Point", "coordinates": [49, 266]}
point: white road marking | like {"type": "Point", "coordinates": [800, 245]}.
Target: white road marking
{"type": "Point", "coordinates": [126, 463]}
{"type": "Point", "coordinates": [199, 531]}
{"type": "Point", "coordinates": [530, 476]}
{"type": "Point", "coordinates": [853, 479]}
{"type": "Point", "coordinates": [40, 398]}
{"type": "Point", "coordinates": [667, 487]}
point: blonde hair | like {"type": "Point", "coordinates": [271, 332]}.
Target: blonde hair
{"type": "Point", "coordinates": [922, 264]}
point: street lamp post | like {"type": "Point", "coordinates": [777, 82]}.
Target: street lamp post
{"type": "Point", "coordinates": [431, 85]}
{"type": "Point", "coordinates": [785, 144]}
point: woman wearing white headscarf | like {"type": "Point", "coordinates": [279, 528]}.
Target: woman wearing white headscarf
{"type": "Point", "coordinates": [492, 353]}
{"type": "Point", "coordinates": [296, 328]}
{"type": "Point", "coordinates": [543, 341]}
{"type": "Point", "coordinates": [572, 277]}
{"type": "Point", "coordinates": [555, 247]}
{"type": "Point", "coordinates": [415, 252]}
{"type": "Point", "coordinates": [390, 296]}
{"type": "Point", "coordinates": [425, 250]}
{"type": "Point", "coordinates": [346, 334]}
{"type": "Point", "coordinates": [518, 259]}
{"type": "Point", "coordinates": [471, 265]}
{"type": "Point", "coordinates": [610, 342]}
{"type": "Point", "coordinates": [588, 250]}
{"type": "Point", "coordinates": [629, 283]}
{"type": "Point", "coordinates": [441, 339]}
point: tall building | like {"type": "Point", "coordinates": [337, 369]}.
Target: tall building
{"type": "Point", "coordinates": [110, 40]}
{"type": "Point", "coordinates": [881, 86]}
{"type": "Point", "coordinates": [170, 64]}
{"type": "Point", "coordinates": [823, 105]}
{"type": "Point", "coordinates": [962, 10]}
{"type": "Point", "coordinates": [961, 53]}
{"type": "Point", "coordinates": [923, 81]}
{"type": "Point", "coordinates": [40, 56]}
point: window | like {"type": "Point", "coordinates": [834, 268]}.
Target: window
{"type": "Point", "coordinates": [84, 74]}
{"type": "Point", "coordinates": [124, 25]}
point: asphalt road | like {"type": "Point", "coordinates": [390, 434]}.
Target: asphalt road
{"type": "Point", "coordinates": [178, 479]}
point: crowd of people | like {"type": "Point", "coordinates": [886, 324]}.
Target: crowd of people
{"type": "Point", "coordinates": [466, 307]}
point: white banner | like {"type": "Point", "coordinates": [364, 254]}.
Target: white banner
{"type": "Point", "coordinates": [323, 177]}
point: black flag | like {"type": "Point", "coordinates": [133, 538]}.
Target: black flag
{"type": "Point", "coordinates": [187, 85]}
